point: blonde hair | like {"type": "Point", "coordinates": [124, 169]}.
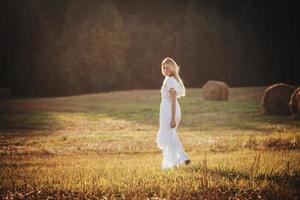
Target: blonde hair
{"type": "Point", "coordinates": [174, 71]}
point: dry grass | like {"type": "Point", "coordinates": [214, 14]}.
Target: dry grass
{"type": "Point", "coordinates": [102, 146]}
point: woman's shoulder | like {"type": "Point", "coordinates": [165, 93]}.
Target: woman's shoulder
{"type": "Point", "coordinates": [171, 78]}
{"type": "Point", "coordinates": [172, 82]}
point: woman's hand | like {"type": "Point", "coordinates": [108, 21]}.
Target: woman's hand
{"type": "Point", "coordinates": [173, 123]}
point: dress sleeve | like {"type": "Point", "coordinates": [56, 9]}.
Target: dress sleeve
{"type": "Point", "coordinates": [171, 83]}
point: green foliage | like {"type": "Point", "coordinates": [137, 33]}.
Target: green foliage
{"type": "Point", "coordinates": [108, 45]}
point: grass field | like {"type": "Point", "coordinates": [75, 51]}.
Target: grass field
{"type": "Point", "coordinates": [102, 146]}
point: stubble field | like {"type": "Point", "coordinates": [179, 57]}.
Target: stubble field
{"type": "Point", "coordinates": [102, 146]}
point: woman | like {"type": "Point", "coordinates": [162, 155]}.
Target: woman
{"type": "Point", "coordinates": [170, 116]}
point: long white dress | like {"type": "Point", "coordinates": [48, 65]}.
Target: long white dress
{"type": "Point", "coordinates": [167, 139]}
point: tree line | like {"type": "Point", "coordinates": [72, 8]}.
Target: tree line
{"type": "Point", "coordinates": [72, 47]}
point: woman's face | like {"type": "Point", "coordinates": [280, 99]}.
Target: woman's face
{"type": "Point", "coordinates": [167, 70]}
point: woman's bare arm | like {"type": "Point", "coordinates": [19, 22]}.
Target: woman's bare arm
{"type": "Point", "coordinates": [173, 98]}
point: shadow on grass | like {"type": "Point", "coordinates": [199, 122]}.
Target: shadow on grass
{"type": "Point", "coordinates": [22, 165]}
{"type": "Point", "coordinates": [232, 174]}
{"type": "Point", "coordinates": [22, 121]}
{"type": "Point", "coordinates": [196, 114]}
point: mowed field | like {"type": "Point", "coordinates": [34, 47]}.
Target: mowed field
{"type": "Point", "coordinates": [102, 146]}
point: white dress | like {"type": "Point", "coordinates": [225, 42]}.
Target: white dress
{"type": "Point", "coordinates": [167, 139]}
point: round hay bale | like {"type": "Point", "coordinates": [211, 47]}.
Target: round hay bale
{"type": "Point", "coordinates": [294, 103]}
{"type": "Point", "coordinates": [215, 91]}
{"type": "Point", "coordinates": [275, 100]}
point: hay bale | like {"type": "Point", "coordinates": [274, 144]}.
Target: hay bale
{"type": "Point", "coordinates": [294, 103]}
{"type": "Point", "coordinates": [275, 100]}
{"type": "Point", "coordinates": [215, 91]}
{"type": "Point", "coordinates": [5, 93]}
